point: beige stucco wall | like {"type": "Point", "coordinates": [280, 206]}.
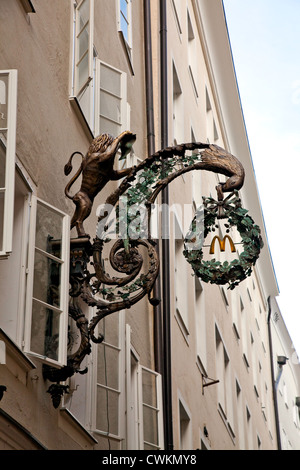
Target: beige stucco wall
{"type": "Point", "coordinates": [48, 130]}
{"type": "Point", "coordinates": [287, 378]}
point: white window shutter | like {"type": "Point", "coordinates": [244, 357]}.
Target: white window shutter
{"type": "Point", "coordinates": [111, 108]}
{"type": "Point", "coordinates": [39, 308]}
{"type": "Point", "coordinates": [8, 120]}
{"type": "Point", "coordinates": [84, 41]}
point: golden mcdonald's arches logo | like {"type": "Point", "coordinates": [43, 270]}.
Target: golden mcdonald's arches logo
{"type": "Point", "coordinates": [222, 244]}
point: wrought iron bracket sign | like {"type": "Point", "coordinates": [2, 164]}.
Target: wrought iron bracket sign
{"type": "Point", "coordinates": [133, 256]}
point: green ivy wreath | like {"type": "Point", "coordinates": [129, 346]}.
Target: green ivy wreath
{"type": "Point", "coordinates": [213, 271]}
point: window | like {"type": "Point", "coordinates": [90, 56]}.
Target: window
{"type": "Point", "coordinates": [111, 100]}
{"type": "Point", "coordinates": [196, 180]}
{"type": "Point", "coordinates": [8, 113]}
{"type": "Point", "coordinates": [215, 132]}
{"type": "Point", "coordinates": [212, 131]}
{"type": "Point", "coordinates": [255, 365]}
{"type": "Point", "coordinates": [200, 323]}
{"type": "Point", "coordinates": [82, 94]}
{"type": "Point", "coordinates": [125, 23]}
{"type": "Point", "coordinates": [128, 395]}
{"type": "Point", "coordinates": [2, 353]}
{"type": "Point", "coordinates": [207, 100]}
{"type": "Point", "coordinates": [12, 294]}
{"type": "Point", "coordinates": [181, 277]}
{"type": "Point", "coordinates": [295, 412]}
{"type": "Point", "coordinates": [151, 403]}
{"type": "Point", "coordinates": [221, 363]}
{"type": "Point", "coordinates": [177, 9]}
{"type": "Point", "coordinates": [244, 332]}
{"type": "Point", "coordinates": [224, 297]}
{"type": "Point", "coordinates": [98, 91]}
{"type": "Point", "coordinates": [285, 393]}
{"type": "Point", "coordinates": [48, 283]}
{"type": "Point", "coordinates": [249, 430]}
{"type": "Point", "coordinates": [185, 428]}
{"type": "Point", "coordinates": [83, 47]}
{"type": "Point", "coordinates": [110, 377]}
{"type": "Point", "coordinates": [144, 403]}
{"type": "Point", "coordinates": [258, 443]}
{"type": "Point", "coordinates": [181, 284]}
{"type": "Point", "coordinates": [240, 417]}
{"type": "Point", "coordinates": [134, 428]}
{"type": "Point", "coordinates": [178, 115]}
{"type": "Point", "coordinates": [225, 397]}
{"type": "Point", "coordinates": [192, 55]}
{"type": "Point", "coordinates": [235, 312]}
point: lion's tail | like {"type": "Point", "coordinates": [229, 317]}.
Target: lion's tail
{"type": "Point", "coordinates": [67, 170]}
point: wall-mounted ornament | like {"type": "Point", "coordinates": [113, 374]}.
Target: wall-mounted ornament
{"type": "Point", "coordinates": [133, 255]}
{"type": "Point", "coordinates": [231, 273]}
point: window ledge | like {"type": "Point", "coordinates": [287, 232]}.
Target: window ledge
{"type": "Point", "coordinates": [14, 432]}
{"type": "Point", "coordinates": [74, 428]}
{"type": "Point", "coordinates": [76, 107]}
{"type": "Point", "coordinates": [246, 361]}
{"type": "Point", "coordinates": [201, 367]}
{"type": "Point", "coordinates": [236, 332]}
{"type": "Point", "coordinates": [15, 353]}
{"type": "Point", "coordinates": [182, 326]}
{"type": "Point", "coordinates": [127, 50]}
{"type": "Point", "coordinates": [27, 5]}
{"type": "Point", "coordinates": [226, 423]}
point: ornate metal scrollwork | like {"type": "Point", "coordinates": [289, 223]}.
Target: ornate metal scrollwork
{"type": "Point", "coordinates": [133, 255]}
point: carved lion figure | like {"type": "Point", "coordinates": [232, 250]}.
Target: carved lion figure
{"type": "Point", "coordinates": [97, 169]}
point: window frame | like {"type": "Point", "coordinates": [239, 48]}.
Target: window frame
{"type": "Point", "coordinates": [200, 324]}
{"type": "Point", "coordinates": [177, 107]}
{"type": "Point", "coordinates": [82, 100]}
{"type": "Point", "coordinates": [130, 391]}
{"type": "Point", "coordinates": [135, 403]}
{"type": "Point", "coordinates": [177, 14]}
{"type": "Point", "coordinates": [192, 54]}
{"type": "Point", "coordinates": [10, 161]}
{"type": "Point", "coordinates": [123, 98]}
{"type": "Point", "coordinates": [64, 284]}
{"type": "Point", "coordinates": [181, 302]}
{"type": "Point", "coordinates": [128, 20]}
{"type": "Point", "coordinates": [185, 431]}
{"type": "Point", "coordinates": [77, 90]}
{"type": "Point", "coordinates": [225, 386]}
{"type": "Point", "coordinates": [2, 352]}
{"type": "Point", "coordinates": [157, 409]}
{"type": "Point", "coordinates": [13, 324]}
{"type": "Point", "coordinates": [121, 388]}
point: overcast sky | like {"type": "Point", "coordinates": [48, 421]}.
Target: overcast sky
{"type": "Point", "coordinates": [265, 41]}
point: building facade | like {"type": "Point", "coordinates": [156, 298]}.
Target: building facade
{"type": "Point", "coordinates": [286, 370]}
{"type": "Point", "coordinates": [193, 372]}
